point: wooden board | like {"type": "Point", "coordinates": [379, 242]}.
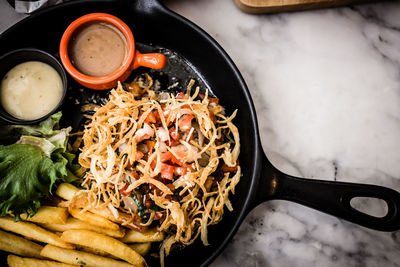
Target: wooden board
{"type": "Point", "coordinates": [273, 6]}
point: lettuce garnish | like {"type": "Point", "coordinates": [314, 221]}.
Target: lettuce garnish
{"type": "Point", "coordinates": [31, 167]}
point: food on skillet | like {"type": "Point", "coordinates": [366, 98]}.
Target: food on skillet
{"type": "Point", "coordinates": [31, 90]}
{"type": "Point", "coordinates": [157, 167]}
{"type": "Point", "coordinates": [161, 160]}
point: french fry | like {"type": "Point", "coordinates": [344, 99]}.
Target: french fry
{"type": "Point", "coordinates": [66, 191]}
{"type": "Point", "coordinates": [104, 243]}
{"type": "Point", "coordinates": [32, 231]}
{"type": "Point", "coordinates": [81, 201]}
{"type": "Point", "coordinates": [18, 245]}
{"type": "Point", "coordinates": [95, 251]}
{"type": "Point", "coordinates": [63, 204]}
{"type": "Point", "coordinates": [150, 235]}
{"type": "Point", "coordinates": [122, 217]}
{"type": "Point", "coordinates": [141, 248]}
{"type": "Point", "coordinates": [93, 219]}
{"type": "Point", "coordinates": [106, 213]}
{"type": "Point", "coordinates": [73, 223]}
{"type": "Point", "coordinates": [15, 261]}
{"type": "Point", "coordinates": [79, 257]}
{"type": "Point", "coordinates": [47, 214]}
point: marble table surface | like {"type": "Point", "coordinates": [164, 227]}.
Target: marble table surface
{"type": "Point", "coordinates": [326, 86]}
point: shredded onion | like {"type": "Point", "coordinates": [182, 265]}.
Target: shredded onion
{"type": "Point", "coordinates": [113, 210]}
{"type": "Point", "coordinates": [163, 147]}
{"type": "Point", "coordinates": [162, 134]}
{"type": "Point", "coordinates": [146, 130]}
{"type": "Point", "coordinates": [129, 203]}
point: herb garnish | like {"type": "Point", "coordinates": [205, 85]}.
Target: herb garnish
{"type": "Point", "coordinates": [140, 209]}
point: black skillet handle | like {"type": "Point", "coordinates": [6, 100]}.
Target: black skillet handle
{"type": "Point", "coordinates": [330, 197]}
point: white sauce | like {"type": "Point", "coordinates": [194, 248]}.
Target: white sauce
{"type": "Point", "coordinates": [31, 90]}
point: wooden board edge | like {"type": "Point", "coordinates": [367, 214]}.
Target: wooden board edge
{"type": "Point", "coordinates": [258, 9]}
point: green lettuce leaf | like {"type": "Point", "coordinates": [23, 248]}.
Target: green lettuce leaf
{"type": "Point", "coordinates": [48, 145]}
{"type": "Point", "coordinates": [27, 175]}
{"type": "Point", "coordinates": [30, 168]}
{"type": "Point", "coordinates": [11, 133]}
{"type": "Point", "coordinates": [45, 145]}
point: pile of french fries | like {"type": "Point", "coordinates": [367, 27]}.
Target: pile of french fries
{"type": "Point", "coordinates": [74, 237]}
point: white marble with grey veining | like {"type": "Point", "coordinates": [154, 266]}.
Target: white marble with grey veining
{"type": "Point", "coordinates": [326, 86]}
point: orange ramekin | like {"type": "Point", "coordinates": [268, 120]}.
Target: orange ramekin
{"type": "Point", "coordinates": [133, 60]}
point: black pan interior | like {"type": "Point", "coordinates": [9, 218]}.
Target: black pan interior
{"type": "Point", "coordinates": [192, 54]}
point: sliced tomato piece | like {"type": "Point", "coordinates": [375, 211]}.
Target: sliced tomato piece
{"type": "Point", "coordinates": [187, 106]}
{"type": "Point", "coordinates": [176, 161]}
{"type": "Point", "coordinates": [143, 137]}
{"type": "Point", "coordinates": [157, 115]}
{"type": "Point", "coordinates": [191, 167]}
{"type": "Point", "coordinates": [185, 109]}
{"type": "Point", "coordinates": [153, 164]}
{"type": "Point", "coordinates": [212, 116]}
{"type": "Point", "coordinates": [214, 100]}
{"type": "Point", "coordinates": [123, 190]}
{"type": "Point", "coordinates": [134, 174]}
{"type": "Point", "coordinates": [151, 118]}
{"type": "Point", "coordinates": [210, 99]}
{"type": "Point", "coordinates": [181, 95]}
{"type": "Point", "coordinates": [150, 144]}
{"type": "Point", "coordinates": [180, 171]}
{"type": "Point", "coordinates": [166, 156]}
{"type": "Point", "coordinates": [139, 155]}
{"type": "Point", "coordinates": [172, 143]}
{"type": "Point", "coordinates": [226, 168]}
{"type": "Point", "coordinates": [167, 171]}
{"type": "Point", "coordinates": [185, 122]}
{"type": "Point", "coordinates": [174, 134]}
{"type": "Point", "coordinates": [180, 152]}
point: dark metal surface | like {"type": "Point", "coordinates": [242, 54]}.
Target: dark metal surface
{"type": "Point", "coordinates": [330, 197]}
{"type": "Point", "coordinates": [194, 54]}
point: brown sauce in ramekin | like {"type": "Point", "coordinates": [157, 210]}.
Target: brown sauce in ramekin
{"type": "Point", "coordinates": [98, 49]}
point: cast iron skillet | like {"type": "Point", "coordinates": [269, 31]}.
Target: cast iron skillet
{"type": "Point", "coordinates": [202, 58]}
